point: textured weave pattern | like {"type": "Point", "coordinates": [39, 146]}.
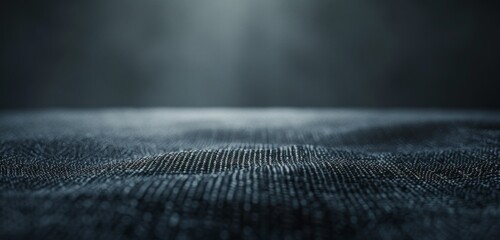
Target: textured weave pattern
{"type": "Point", "coordinates": [225, 174]}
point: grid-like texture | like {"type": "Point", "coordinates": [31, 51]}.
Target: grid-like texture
{"type": "Point", "coordinates": [276, 173]}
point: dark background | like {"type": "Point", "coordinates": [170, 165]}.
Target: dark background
{"type": "Point", "coordinates": [331, 53]}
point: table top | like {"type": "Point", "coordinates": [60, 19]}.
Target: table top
{"type": "Point", "coordinates": [252, 173]}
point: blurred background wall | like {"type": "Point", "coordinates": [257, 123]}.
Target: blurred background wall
{"type": "Point", "coordinates": [316, 53]}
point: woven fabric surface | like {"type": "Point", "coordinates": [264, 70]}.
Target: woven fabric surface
{"type": "Point", "coordinates": [252, 174]}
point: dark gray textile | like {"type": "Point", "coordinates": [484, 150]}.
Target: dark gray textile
{"type": "Point", "coordinates": [258, 173]}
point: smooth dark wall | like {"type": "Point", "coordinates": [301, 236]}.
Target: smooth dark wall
{"type": "Point", "coordinates": [336, 53]}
